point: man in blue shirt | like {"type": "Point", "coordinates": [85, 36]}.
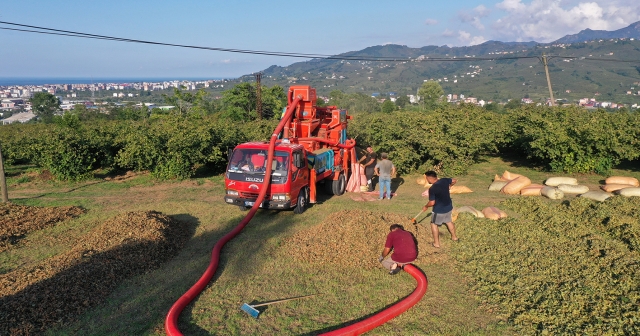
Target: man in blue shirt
{"type": "Point", "coordinates": [440, 200]}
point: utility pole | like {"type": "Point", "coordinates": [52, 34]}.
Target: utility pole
{"type": "Point", "coordinates": [258, 95]}
{"type": "Point", "coordinates": [546, 70]}
{"type": "Point", "coordinates": [3, 181]}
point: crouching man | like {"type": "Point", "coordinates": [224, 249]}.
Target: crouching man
{"type": "Point", "coordinates": [404, 247]}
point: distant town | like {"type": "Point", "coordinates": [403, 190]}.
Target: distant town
{"type": "Point", "coordinates": [17, 108]}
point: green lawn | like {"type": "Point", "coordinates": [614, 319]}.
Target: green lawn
{"type": "Point", "coordinates": [252, 267]}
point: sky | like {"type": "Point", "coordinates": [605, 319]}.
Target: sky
{"type": "Point", "coordinates": [324, 27]}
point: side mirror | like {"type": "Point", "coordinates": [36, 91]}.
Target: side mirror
{"type": "Point", "coordinates": [229, 153]}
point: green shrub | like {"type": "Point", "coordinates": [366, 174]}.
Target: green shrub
{"type": "Point", "coordinates": [451, 137]}
{"type": "Point", "coordinates": [574, 140]}
{"type": "Point", "coordinates": [558, 268]}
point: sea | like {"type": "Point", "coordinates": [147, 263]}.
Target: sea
{"type": "Point", "coordinates": [9, 81]}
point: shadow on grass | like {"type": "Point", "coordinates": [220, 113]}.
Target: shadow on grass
{"type": "Point", "coordinates": [85, 282]}
{"type": "Point", "coordinates": [518, 159]}
{"type": "Point", "coordinates": [396, 183]}
{"type": "Point", "coordinates": [265, 225]}
{"type": "Point", "coordinates": [346, 324]}
{"type": "Point", "coordinates": [633, 166]}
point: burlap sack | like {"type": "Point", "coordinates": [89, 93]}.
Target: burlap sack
{"type": "Point", "coordinates": [573, 189]}
{"type": "Point", "coordinates": [614, 187]}
{"type": "Point", "coordinates": [555, 181]}
{"type": "Point", "coordinates": [508, 176]}
{"type": "Point", "coordinates": [552, 193]}
{"type": "Point", "coordinates": [471, 210]}
{"type": "Point", "coordinates": [531, 190]}
{"type": "Point", "coordinates": [599, 196]}
{"type": "Point", "coordinates": [456, 189]}
{"type": "Point", "coordinates": [514, 186]}
{"type": "Point", "coordinates": [629, 192]}
{"type": "Point", "coordinates": [497, 185]}
{"type": "Point", "coordinates": [623, 180]}
{"type": "Point", "coordinates": [493, 213]}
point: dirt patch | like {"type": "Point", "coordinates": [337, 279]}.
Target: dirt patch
{"type": "Point", "coordinates": [62, 287]}
{"type": "Point", "coordinates": [128, 175]}
{"type": "Point", "coordinates": [18, 220]}
{"type": "Point", "coordinates": [351, 238]}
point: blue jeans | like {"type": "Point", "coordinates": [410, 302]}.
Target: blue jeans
{"type": "Point", "coordinates": [385, 182]}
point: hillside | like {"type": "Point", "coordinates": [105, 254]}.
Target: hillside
{"type": "Point", "coordinates": [632, 31]}
{"type": "Point", "coordinates": [485, 79]}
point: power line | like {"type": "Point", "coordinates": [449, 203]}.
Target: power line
{"type": "Point", "coordinates": [60, 32]}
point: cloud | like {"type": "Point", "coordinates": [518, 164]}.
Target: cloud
{"type": "Point", "coordinates": [448, 33]}
{"type": "Point", "coordinates": [548, 20]}
{"type": "Point", "coordinates": [481, 11]}
{"type": "Point", "coordinates": [466, 38]}
{"type": "Point", "coordinates": [474, 16]}
{"type": "Point", "coordinates": [430, 22]}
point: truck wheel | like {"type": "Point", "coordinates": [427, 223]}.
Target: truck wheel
{"type": "Point", "coordinates": [339, 185]}
{"type": "Point", "coordinates": [302, 202]}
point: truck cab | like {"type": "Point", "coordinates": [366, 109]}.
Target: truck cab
{"type": "Point", "coordinates": [289, 182]}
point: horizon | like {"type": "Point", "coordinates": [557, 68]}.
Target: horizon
{"type": "Point", "coordinates": [9, 81]}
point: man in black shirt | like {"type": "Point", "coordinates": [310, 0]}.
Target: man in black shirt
{"type": "Point", "coordinates": [440, 200]}
{"type": "Point", "coordinates": [369, 163]}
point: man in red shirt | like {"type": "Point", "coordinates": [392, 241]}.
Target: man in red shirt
{"type": "Point", "coordinates": [404, 247]}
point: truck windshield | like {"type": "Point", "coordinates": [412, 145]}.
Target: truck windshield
{"type": "Point", "coordinates": [254, 162]}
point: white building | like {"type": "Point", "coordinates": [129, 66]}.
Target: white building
{"type": "Point", "coordinates": [19, 117]}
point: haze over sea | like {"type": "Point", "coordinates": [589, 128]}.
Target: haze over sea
{"type": "Point", "coordinates": [8, 81]}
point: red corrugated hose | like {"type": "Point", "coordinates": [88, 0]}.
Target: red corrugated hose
{"type": "Point", "coordinates": [391, 312]}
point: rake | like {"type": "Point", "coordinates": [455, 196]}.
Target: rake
{"type": "Point", "coordinates": [413, 220]}
{"type": "Point", "coordinates": [251, 309]}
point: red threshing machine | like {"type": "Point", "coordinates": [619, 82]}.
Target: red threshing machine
{"type": "Point", "coordinates": [312, 147]}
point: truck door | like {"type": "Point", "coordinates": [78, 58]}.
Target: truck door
{"type": "Point", "coordinates": [299, 173]}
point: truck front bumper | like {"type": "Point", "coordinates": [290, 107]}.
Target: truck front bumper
{"type": "Point", "coordinates": [246, 202]}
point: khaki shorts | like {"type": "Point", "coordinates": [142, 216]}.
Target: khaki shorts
{"type": "Point", "coordinates": [441, 218]}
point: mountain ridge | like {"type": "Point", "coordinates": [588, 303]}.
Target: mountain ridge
{"type": "Point", "coordinates": [493, 70]}
{"type": "Point", "coordinates": [631, 31]}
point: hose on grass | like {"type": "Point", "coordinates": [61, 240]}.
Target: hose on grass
{"type": "Point", "coordinates": [382, 317]}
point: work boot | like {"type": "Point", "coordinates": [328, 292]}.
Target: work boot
{"type": "Point", "coordinates": [395, 269]}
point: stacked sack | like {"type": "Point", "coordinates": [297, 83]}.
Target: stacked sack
{"type": "Point", "coordinates": [455, 189]}
{"type": "Point", "coordinates": [510, 183]}
{"type": "Point", "coordinates": [488, 212]}
{"type": "Point", "coordinates": [622, 185]}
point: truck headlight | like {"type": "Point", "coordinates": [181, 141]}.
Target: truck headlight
{"type": "Point", "coordinates": [232, 192]}
{"type": "Point", "coordinates": [280, 197]}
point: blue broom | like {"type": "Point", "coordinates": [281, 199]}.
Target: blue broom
{"type": "Point", "coordinates": [251, 310]}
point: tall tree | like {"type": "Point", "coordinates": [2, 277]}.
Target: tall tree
{"type": "Point", "coordinates": [274, 99]}
{"type": "Point", "coordinates": [240, 102]}
{"type": "Point", "coordinates": [513, 104]}
{"type": "Point", "coordinates": [430, 94]}
{"type": "Point", "coordinates": [402, 101]}
{"type": "Point", "coordinates": [45, 105]}
{"type": "Point", "coordinates": [388, 106]}
{"type": "Point", "coordinates": [187, 102]}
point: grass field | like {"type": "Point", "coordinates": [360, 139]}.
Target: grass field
{"type": "Point", "coordinates": [253, 266]}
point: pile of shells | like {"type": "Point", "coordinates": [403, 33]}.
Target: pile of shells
{"type": "Point", "coordinates": [18, 220]}
{"type": "Point", "coordinates": [350, 238]}
{"type": "Point", "coordinates": [60, 288]}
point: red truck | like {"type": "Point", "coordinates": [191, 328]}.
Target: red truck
{"type": "Point", "coordinates": [312, 149]}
